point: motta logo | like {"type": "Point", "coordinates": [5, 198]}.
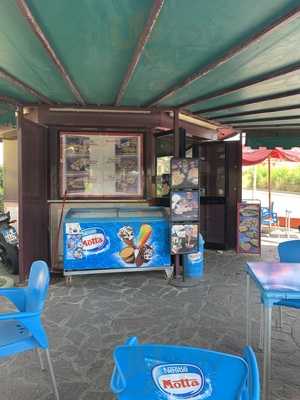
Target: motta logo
{"type": "Point", "coordinates": [94, 240]}
{"type": "Point", "coordinates": [179, 381]}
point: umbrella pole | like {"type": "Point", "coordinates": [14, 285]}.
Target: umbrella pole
{"type": "Point", "coordinates": [269, 182]}
{"type": "Point", "coordinates": [254, 183]}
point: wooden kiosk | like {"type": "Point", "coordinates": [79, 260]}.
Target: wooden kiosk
{"type": "Point", "coordinates": [41, 168]}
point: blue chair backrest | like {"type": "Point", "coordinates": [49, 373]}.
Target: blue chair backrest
{"type": "Point", "coordinates": [267, 215]}
{"type": "Point", "coordinates": [265, 212]}
{"type": "Point", "coordinates": [36, 291]}
{"type": "Point", "coordinates": [289, 251]}
{"type": "Point", "coordinates": [157, 371]}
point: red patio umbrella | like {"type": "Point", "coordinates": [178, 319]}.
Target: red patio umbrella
{"type": "Point", "coordinates": [253, 157]}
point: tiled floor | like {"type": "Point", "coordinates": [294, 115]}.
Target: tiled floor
{"type": "Point", "coordinates": [87, 320]}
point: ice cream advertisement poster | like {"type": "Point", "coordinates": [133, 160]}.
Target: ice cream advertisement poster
{"type": "Point", "coordinates": [115, 245]}
{"type": "Point", "coordinates": [248, 232]}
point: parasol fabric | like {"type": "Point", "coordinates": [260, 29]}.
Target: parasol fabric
{"type": "Point", "coordinates": [252, 157]}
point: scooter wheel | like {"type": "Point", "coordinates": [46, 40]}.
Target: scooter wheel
{"type": "Point", "coordinates": [13, 264]}
{"type": "Point", "coordinates": [3, 257]}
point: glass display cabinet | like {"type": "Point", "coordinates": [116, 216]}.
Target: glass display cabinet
{"type": "Point", "coordinates": [220, 191]}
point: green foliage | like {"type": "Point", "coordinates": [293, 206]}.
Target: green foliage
{"type": "Point", "coordinates": [283, 178]}
{"type": "Point", "coordinates": [1, 188]}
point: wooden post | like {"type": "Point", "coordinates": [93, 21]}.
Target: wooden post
{"type": "Point", "coordinates": [19, 117]}
{"type": "Point", "coordinates": [176, 134]}
{"type": "Point", "coordinates": [269, 181]}
{"type": "Point", "coordinates": [177, 154]}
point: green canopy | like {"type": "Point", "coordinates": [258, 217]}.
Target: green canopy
{"type": "Point", "coordinates": [9, 118]}
{"type": "Point", "coordinates": [224, 60]}
{"type": "Point", "coordinates": [270, 140]}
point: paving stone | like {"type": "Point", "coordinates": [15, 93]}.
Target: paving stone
{"type": "Point", "coordinates": [87, 320]}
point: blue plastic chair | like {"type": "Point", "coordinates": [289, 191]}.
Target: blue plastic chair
{"type": "Point", "coordinates": [268, 217]}
{"type": "Point", "coordinates": [22, 330]}
{"type": "Point", "coordinates": [289, 252]}
{"type": "Point", "coordinates": [162, 372]}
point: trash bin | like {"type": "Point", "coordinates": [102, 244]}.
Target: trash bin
{"type": "Point", "coordinates": [193, 263]}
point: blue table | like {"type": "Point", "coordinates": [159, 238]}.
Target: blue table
{"type": "Point", "coordinates": [275, 281]}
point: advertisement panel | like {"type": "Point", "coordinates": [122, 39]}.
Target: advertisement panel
{"type": "Point", "coordinates": [248, 228]}
{"type": "Point", "coordinates": [116, 244]}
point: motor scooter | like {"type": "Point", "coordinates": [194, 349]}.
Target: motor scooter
{"type": "Point", "coordinates": [9, 244]}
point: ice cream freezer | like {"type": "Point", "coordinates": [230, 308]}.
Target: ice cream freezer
{"type": "Point", "coordinates": [98, 240]}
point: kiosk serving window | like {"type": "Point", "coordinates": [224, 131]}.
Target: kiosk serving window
{"type": "Point", "coordinates": [95, 164]}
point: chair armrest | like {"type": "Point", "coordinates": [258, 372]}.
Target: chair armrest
{"type": "Point", "coordinates": [117, 382]}
{"type": "Point", "coordinates": [253, 382]}
{"type": "Point", "coordinates": [16, 296]}
{"type": "Point", "coordinates": [132, 341]}
{"type": "Point", "coordinates": [18, 315]}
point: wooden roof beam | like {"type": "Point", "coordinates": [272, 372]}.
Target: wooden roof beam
{"type": "Point", "coordinates": [12, 102]}
{"type": "Point", "coordinates": [22, 85]}
{"type": "Point", "coordinates": [245, 84]}
{"type": "Point", "coordinates": [241, 121]}
{"type": "Point", "coordinates": [249, 102]}
{"type": "Point", "coordinates": [243, 128]}
{"type": "Point", "coordinates": [262, 111]}
{"type": "Point", "coordinates": [143, 40]}
{"type": "Point", "coordinates": [231, 53]}
{"type": "Point", "coordinates": [26, 12]}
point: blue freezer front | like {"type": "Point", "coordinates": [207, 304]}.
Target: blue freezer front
{"type": "Point", "coordinates": [115, 239]}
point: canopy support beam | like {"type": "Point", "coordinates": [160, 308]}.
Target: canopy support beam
{"type": "Point", "coordinates": [256, 100]}
{"type": "Point", "coordinates": [143, 40]}
{"type": "Point", "coordinates": [10, 100]}
{"type": "Point", "coordinates": [25, 10]}
{"type": "Point", "coordinates": [262, 111]}
{"type": "Point", "coordinates": [274, 118]}
{"type": "Point", "coordinates": [245, 84]}
{"type": "Point", "coordinates": [245, 128]}
{"type": "Point", "coordinates": [22, 85]}
{"type": "Point", "coordinates": [234, 51]}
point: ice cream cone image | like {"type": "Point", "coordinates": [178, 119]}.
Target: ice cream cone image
{"type": "Point", "coordinates": [145, 254]}
{"type": "Point", "coordinates": [139, 259]}
{"type": "Point", "coordinates": [126, 235]}
{"type": "Point", "coordinates": [129, 242]}
{"type": "Point", "coordinates": [145, 233]}
{"type": "Point", "coordinates": [127, 255]}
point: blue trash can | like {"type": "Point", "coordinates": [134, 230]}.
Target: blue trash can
{"type": "Point", "coordinates": [194, 263]}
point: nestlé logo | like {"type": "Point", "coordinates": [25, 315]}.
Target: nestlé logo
{"type": "Point", "coordinates": [180, 381]}
{"type": "Point", "coordinates": [94, 240]}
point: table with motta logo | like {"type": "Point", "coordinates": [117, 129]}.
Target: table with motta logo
{"type": "Point", "coordinates": [116, 240]}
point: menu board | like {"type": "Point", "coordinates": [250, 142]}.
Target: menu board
{"type": "Point", "coordinates": [248, 228]}
{"type": "Point", "coordinates": [101, 164]}
{"type": "Point", "coordinates": [185, 173]}
{"type": "Point", "coordinates": [184, 238]}
{"type": "Point", "coordinates": [185, 205]}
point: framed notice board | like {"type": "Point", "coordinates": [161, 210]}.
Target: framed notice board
{"type": "Point", "coordinates": [249, 227]}
{"type": "Point", "coordinates": [101, 165]}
